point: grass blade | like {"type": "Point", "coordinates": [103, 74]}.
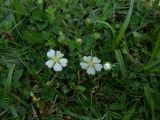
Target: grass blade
{"type": "Point", "coordinates": [20, 100]}
{"type": "Point", "coordinates": [9, 80]}
{"type": "Point", "coordinates": [121, 62]}
{"type": "Point", "coordinates": [80, 117]}
{"type": "Point", "coordinates": [124, 26]}
{"type": "Point", "coordinates": [17, 7]}
{"type": "Point", "coordinates": [150, 101]}
{"type": "Point", "coordinates": [156, 47]}
{"type": "Point", "coordinates": [152, 64]}
{"type": "Point", "coordinates": [128, 115]}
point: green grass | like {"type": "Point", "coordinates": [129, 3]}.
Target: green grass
{"type": "Point", "coordinates": [124, 26]}
{"type": "Point", "coordinates": [125, 33]}
{"type": "Point", "coordinates": [9, 80]}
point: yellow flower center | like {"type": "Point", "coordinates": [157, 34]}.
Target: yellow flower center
{"type": "Point", "coordinates": [55, 59]}
{"type": "Point", "coordinates": [91, 63]}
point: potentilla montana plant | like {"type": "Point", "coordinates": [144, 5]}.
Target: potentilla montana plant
{"type": "Point", "coordinates": [56, 60]}
{"type": "Point", "coordinates": [91, 64]}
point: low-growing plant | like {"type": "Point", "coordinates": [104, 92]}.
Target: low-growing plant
{"type": "Point", "coordinates": [79, 59]}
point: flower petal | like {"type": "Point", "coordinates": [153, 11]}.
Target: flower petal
{"type": "Point", "coordinates": [96, 60]}
{"type": "Point", "coordinates": [63, 62]}
{"type": "Point", "coordinates": [87, 58]}
{"type": "Point", "coordinates": [98, 67]}
{"type": "Point", "coordinates": [91, 71]}
{"type": "Point", "coordinates": [50, 63]}
{"type": "Point", "coordinates": [51, 53]}
{"type": "Point", "coordinates": [59, 54]}
{"type": "Point", "coordinates": [57, 67]}
{"type": "Point", "coordinates": [84, 65]}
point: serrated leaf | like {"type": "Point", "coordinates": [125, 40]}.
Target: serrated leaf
{"type": "Point", "coordinates": [36, 37]}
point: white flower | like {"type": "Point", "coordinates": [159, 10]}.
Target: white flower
{"type": "Point", "coordinates": [91, 64]}
{"type": "Point", "coordinates": [107, 66]}
{"type": "Point", "coordinates": [56, 60]}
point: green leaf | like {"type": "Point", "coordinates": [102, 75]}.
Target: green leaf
{"type": "Point", "coordinates": [73, 45]}
{"type": "Point", "coordinates": [9, 80]}
{"type": "Point", "coordinates": [116, 106]}
{"type": "Point", "coordinates": [80, 117]}
{"type": "Point", "coordinates": [48, 93]}
{"type": "Point", "coordinates": [156, 48]}
{"type": "Point", "coordinates": [36, 37]}
{"type": "Point", "coordinates": [17, 75]}
{"type": "Point", "coordinates": [51, 13]}
{"type": "Point", "coordinates": [14, 112]}
{"type": "Point", "coordinates": [36, 67]}
{"type": "Point", "coordinates": [41, 26]}
{"type": "Point", "coordinates": [4, 100]}
{"type": "Point", "coordinates": [80, 88]}
{"type": "Point", "coordinates": [116, 115]}
{"type": "Point", "coordinates": [152, 62]}
{"type": "Point", "coordinates": [121, 63]}
{"type": "Point", "coordinates": [19, 99]}
{"type": "Point", "coordinates": [150, 101]}
{"type": "Point", "coordinates": [124, 26]}
{"type": "Point", "coordinates": [128, 115]}
{"type": "Point", "coordinates": [17, 6]}
{"type": "Point", "coordinates": [107, 26]}
{"type": "Point", "coordinates": [65, 89]}
{"type": "Point", "coordinates": [8, 56]}
{"type": "Point", "coordinates": [6, 22]}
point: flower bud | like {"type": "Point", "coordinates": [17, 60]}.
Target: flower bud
{"type": "Point", "coordinates": [88, 21]}
{"type": "Point", "coordinates": [107, 66]}
{"type": "Point", "coordinates": [78, 40]}
{"type": "Point", "coordinates": [96, 35]}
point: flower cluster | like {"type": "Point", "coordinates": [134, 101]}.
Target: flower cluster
{"type": "Point", "coordinates": [90, 64]}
